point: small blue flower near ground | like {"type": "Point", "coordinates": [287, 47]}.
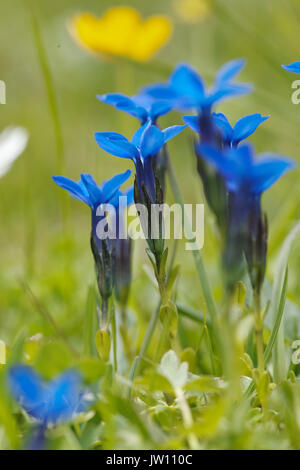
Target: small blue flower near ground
{"type": "Point", "coordinates": [186, 89]}
{"type": "Point", "coordinates": [141, 106]}
{"type": "Point", "coordinates": [57, 401]}
{"type": "Point", "coordinates": [231, 135]}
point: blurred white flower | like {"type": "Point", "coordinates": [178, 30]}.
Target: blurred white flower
{"type": "Point", "coordinates": [13, 141]}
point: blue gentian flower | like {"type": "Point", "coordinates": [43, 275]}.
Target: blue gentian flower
{"type": "Point", "coordinates": [231, 135]}
{"type": "Point", "coordinates": [97, 197]}
{"type": "Point", "coordinates": [88, 191]}
{"type": "Point", "coordinates": [294, 67]}
{"type": "Point", "coordinates": [141, 106]}
{"type": "Point", "coordinates": [246, 178]}
{"type": "Point", "coordinates": [242, 171]}
{"type": "Point", "coordinates": [57, 401]}
{"type": "Point", "coordinates": [186, 89]}
{"type": "Point", "coordinates": [144, 145]}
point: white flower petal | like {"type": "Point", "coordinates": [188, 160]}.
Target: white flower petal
{"type": "Point", "coordinates": [13, 141]}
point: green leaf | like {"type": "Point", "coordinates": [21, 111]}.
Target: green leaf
{"type": "Point", "coordinates": [169, 318]}
{"type": "Point", "coordinates": [172, 277]}
{"type": "Point", "coordinates": [280, 366]}
{"type": "Point", "coordinates": [240, 295]}
{"type": "Point", "coordinates": [103, 344]}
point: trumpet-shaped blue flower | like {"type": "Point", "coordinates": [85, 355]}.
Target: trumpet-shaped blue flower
{"type": "Point", "coordinates": [294, 67]}
{"type": "Point", "coordinates": [57, 401]}
{"type": "Point", "coordinates": [141, 106]}
{"type": "Point", "coordinates": [186, 88]}
{"type": "Point", "coordinates": [231, 135]}
{"type": "Point", "coordinates": [242, 171]}
{"type": "Point", "coordinates": [246, 178]}
{"type": "Point", "coordinates": [97, 197]}
{"type": "Point", "coordinates": [88, 191]}
{"type": "Point", "coordinates": [144, 145]}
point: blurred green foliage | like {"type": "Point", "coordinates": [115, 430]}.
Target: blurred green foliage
{"type": "Point", "coordinates": [46, 269]}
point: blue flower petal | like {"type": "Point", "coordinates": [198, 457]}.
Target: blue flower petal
{"type": "Point", "coordinates": [160, 91]}
{"type": "Point", "coordinates": [293, 67]}
{"type": "Point", "coordinates": [233, 164]}
{"type": "Point", "coordinates": [27, 388]}
{"type": "Point", "coordinates": [137, 136]}
{"type": "Point", "coordinates": [131, 108]}
{"type": "Point", "coordinates": [192, 122]}
{"type": "Point", "coordinates": [186, 81]}
{"type": "Point", "coordinates": [110, 187]}
{"type": "Point", "coordinates": [268, 169]}
{"type": "Point", "coordinates": [229, 70]}
{"type": "Point", "coordinates": [151, 142]}
{"type": "Point", "coordinates": [226, 90]}
{"type": "Point", "coordinates": [124, 103]}
{"type": "Point", "coordinates": [112, 98]}
{"type": "Point", "coordinates": [222, 123]}
{"type": "Point", "coordinates": [245, 126]}
{"type": "Point", "coordinates": [95, 193]}
{"type": "Point", "coordinates": [63, 397]}
{"type": "Point", "coordinates": [116, 144]}
{"type": "Point", "coordinates": [159, 109]}
{"type": "Point", "coordinates": [172, 131]}
{"type": "Point", "coordinates": [49, 402]}
{"type": "Point", "coordinates": [72, 187]}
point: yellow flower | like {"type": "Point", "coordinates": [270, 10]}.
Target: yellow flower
{"type": "Point", "coordinates": [192, 11]}
{"type": "Point", "coordinates": [121, 32]}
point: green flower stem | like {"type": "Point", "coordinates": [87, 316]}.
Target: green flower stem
{"type": "Point", "coordinates": [103, 320]}
{"type": "Point", "coordinates": [208, 296]}
{"type": "Point", "coordinates": [187, 418]}
{"type": "Point", "coordinates": [53, 109]}
{"type": "Point", "coordinates": [258, 321]}
{"type": "Point", "coordinates": [114, 336]}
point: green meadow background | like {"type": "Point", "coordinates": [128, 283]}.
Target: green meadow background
{"type": "Point", "coordinates": [46, 267]}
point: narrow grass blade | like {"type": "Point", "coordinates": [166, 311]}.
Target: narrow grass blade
{"type": "Point", "coordinates": [280, 366]}
{"type": "Point", "coordinates": [45, 69]}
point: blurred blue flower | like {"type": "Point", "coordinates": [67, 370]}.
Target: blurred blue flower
{"type": "Point", "coordinates": [231, 136]}
{"type": "Point", "coordinates": [186, 88]}
{"type": "Point", "coordinates": [144, 145]}
{"type": "Point", "coordinates": [242, 171]}
{"type": "Point", "coordinates": [141, 106]}
{"type": "Point", "coordinates": [246, 178]}
{"type": "Point", "coordinates": [57, 401]}
{"type": "Point", "coordinates": [294, 67]}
